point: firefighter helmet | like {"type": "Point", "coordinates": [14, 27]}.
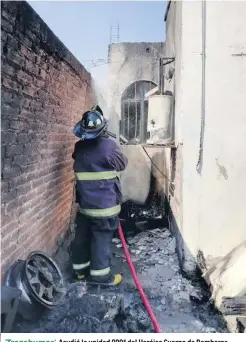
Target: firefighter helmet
{"type": "Point", "coordinates": [92, 124]}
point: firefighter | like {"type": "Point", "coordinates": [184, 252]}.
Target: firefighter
{"type": "Point", "coordinates": [97, 161]}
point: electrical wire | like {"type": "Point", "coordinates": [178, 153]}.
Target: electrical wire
{"type": "Point", "coordinates": [156, 165]}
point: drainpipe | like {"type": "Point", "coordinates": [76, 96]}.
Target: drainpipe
{"type": "Point", "coordinates": [161, 76]}
{"type": "Point", "coordinates": [203, 97]}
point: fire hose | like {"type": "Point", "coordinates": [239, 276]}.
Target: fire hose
{"type": "Point", "coordinates": [137, 282]}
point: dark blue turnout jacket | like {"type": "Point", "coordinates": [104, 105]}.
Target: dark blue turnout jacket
{"type": "Point", "coordinates": [98, 190]}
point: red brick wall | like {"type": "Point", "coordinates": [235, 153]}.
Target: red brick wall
{"type": "Point", "coordinates": [44, 92]}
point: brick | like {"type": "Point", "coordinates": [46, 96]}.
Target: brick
{"type": "Point", "coordinates": [4, 187]}
{"type": "Point", "coordinates": [25, 113]}
{"type": "Point", "coordinates": [31, 68]}
{"type": "Point", "coordinates": [23, 189]}
{"type": "Point", "coordinates": [17, 181]}
{"type": "Point", "coordinates": [31, 175]}
{"type": "Point", "coordinates": [7, 163]}
{"type": "Point", "coordinates": [27, 168]}
{"type": "Point", "coordinates": [30, 148]}
{"type": "Point", "coordinates": [13, 43]}
{"type": "Point", "coordinates": [28, 216]}
{"type": "Point", "coordinates": [3, 150]}
{"type": "Point", "coordinates": [8, 15]}
{"type": "Point", "coordinates": [40, 84]}
{"type": "Point", "coordinates": [31, 36]}
{"type": "Point", "coordinates": [25, 159]}
{"type": "Point", "coordinates": [24, 77]}
{"type": "Point", "coordinates": [8, 138]}
{"type": "Point", "coordinates": [24, 39]}
{"type": "Point", "coordinates": [27, 52]}
{"type": "Point", "coordinates": [12, 98]}
{"type": "Point", "coordinates": [15, 58]}
{"type": "Point", "coordinates": [9, 111]}
{"type": "Point", "coordinates": [6, 25]}
{"type": "Point", "coordinates": [8, 69]}
{"type": "Point", "coordinates": [5, 219]}
{"type": "Point", "coordinates": [10, 239]}
{"type": "Point", "coordinates": [41, 116]}
{"type": "Point", "coordinates": [42, 73]}
{"type": "Point", "coordinates": [4, 36]}
{"type": "Point", "coordinates": [38, 126]}
{"type": "Point", "coordinates": [14, 150]}
{"type": "Point", "coordinates": [24, 138]}
{"type": "Point", "coordinates": [9, 196]}
{"type": "Point", "coordinates": [29, 91]}
{"type": "Point", "coordinates": [19, 125]}
{"type": "Point", "coordinates": [42, 95]}
{"type": "Point", "coordinates": [11, 173]}
{"type": "Point", "coordinates": [36, 106]}
{"type": "Point", "coordinates": [37, 182]}
{"type": "Point", "coordinates": [25, 103]}
{"type": "Point", "coordinates": [7, 96]}
{"type": "Point", "coordinates": [10, 84]}
{"type": "Point", "coordinates": [23, 237]}
{"type": "Point", "coordinates": [8, 249]}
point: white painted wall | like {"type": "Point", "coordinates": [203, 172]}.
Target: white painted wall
{"type": "Point", "coordinates": [218, 201]}
{"type": "Point", "coordinates": [213, 203]}
{"type": "Point", "coordinates": [128, 63]}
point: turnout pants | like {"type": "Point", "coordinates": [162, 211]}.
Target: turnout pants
{"type": "Point", "coordinates": [91, 246]}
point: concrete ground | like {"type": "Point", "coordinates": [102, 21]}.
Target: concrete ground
{"type": "Point", "coordinates": [180, 305]}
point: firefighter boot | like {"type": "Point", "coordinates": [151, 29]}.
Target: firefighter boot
{"type": "Point", "coordinates": [81, 274]}
{"type": "Point", "coordinates": [116, 279]}
{"type": "Point", "coordinates": [111, 280]}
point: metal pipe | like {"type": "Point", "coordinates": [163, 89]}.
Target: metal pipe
{"type": "Point", "coordinates": [203, 95]}
{"type": "Point", "coordinates": [136, 111]}
{"type": "Point", "coordinates": [128, 122]}
{"type": "Point", "coordinates": [141, 115]}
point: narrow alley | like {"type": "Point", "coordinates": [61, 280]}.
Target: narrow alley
{"type": "Point", "coordinates": [135, 116]}
{"type": "Point", "coordinates": [180, 305]}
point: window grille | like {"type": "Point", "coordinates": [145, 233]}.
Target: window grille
{"type": "Point", "coordinates": [134, 111]}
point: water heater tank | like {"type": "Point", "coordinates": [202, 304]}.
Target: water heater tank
{"type": "Point", "coordinates": [160, 119]}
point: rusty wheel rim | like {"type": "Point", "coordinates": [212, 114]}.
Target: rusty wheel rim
{"type": "Point", "coordinates": [44, 279]}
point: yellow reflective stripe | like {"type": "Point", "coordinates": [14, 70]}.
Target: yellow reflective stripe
{"type": "Point", "coordinates": [96, 175]}
{"type": "Point", "coordinates": [101, 212]}
{"type": "Point", "coordinates": [102, 272]}
{"type": "Point", "coordinates": [81, 266]}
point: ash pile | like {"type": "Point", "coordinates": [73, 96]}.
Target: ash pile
{"type": "Point", "coordinates": [83, 311]}
{"type": "Point", "coordinates": [180, 304]}
{"type": "Point", "coordinates": [136, 219]}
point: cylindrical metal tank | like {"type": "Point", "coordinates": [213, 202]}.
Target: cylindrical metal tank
{"type": "Point", "coordinates": [160, 119]}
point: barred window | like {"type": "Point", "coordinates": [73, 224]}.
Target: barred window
{"type": "Point", "coordinates": [134, 111]}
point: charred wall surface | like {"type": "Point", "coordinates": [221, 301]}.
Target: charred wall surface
{"type": "Point", "coordinates": [44, 91]}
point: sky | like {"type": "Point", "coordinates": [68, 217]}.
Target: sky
{"type": "Point", "coordinates": [84, 26]}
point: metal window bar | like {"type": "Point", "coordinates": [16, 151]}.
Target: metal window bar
{"type": "Point", "coordinates": [128, 120]}
{"type": "Point", "coordinates": [136, 111]}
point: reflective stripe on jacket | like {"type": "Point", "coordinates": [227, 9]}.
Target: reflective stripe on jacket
{"type": "Point", "coordinates": [96, 166]}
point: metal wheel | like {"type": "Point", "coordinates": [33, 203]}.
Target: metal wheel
{"type": "Point", "coordinates": [44, 279]}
